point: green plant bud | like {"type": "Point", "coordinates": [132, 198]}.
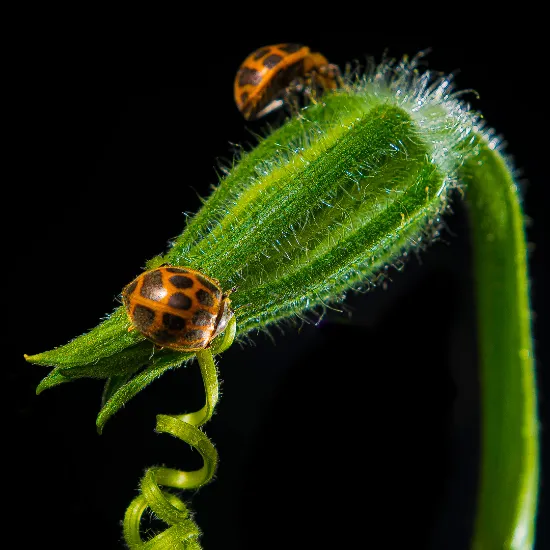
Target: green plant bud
{"type": "Point", "coordinates": [321, 206]}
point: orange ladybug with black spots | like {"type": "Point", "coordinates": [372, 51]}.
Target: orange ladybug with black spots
{"type": "Point", "coordinates": [270, 76]}
{"type": "Point", "coordinates": [177, 307]}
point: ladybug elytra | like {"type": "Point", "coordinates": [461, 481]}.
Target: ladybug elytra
{"type": "Point", "coordinates": [271, 75]}
{"type": "Point", "coordinates": [177, 307]}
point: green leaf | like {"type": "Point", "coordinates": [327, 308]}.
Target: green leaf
{"type": "Point", "coordinates": [122, 394]}
{"type": "Point", "coordinates": [109, 338]}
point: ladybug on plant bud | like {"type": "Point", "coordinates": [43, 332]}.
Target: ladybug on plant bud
{"type": "Point", "coordinates": [271, 76]}
{"type": "Point", "coordinates": [177, 307]}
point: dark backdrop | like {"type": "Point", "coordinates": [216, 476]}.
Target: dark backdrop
{"type": "Point", "coordinates": [376, 441]}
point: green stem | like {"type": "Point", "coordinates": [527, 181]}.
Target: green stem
{"type": "Point", "coordinates": [509, 469]}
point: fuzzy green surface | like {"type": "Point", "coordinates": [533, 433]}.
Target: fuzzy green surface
{"type": "Point", "coordinates": [320, 207]}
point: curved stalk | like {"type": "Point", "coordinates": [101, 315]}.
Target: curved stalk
{"type": "Point", "coordinates": [509, 465]}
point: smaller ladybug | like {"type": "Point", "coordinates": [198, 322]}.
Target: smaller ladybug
{"type": "Point", "coordinates": [177, 307]}
{"type": "Point", "coordinates": [270, 76]}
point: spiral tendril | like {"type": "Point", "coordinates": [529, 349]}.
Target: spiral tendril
{"type": "Point", "coordinates": [182, 531]}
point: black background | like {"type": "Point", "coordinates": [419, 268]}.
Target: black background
{"type": "Point", "coordinates": [364, 428]}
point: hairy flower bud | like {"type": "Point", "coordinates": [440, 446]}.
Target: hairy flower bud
{"type": "Point", "coordinates": [320, 207]}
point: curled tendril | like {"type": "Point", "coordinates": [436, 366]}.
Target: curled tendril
{"type": "Point", "coordinates": [182, 531]}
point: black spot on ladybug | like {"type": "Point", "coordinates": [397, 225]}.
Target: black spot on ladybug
{"type": "Point", "coordinates": [130, 289]}
{"type": "Point", "coordinates": [143, 317]}
{"type": "Point", "coordinates": [181, 281]}
{"type": "Point", "coordinates": [290, 48]}
{"type": "Point", "coordinates": [261, 52]}
{"type": "Point", "coordinates": [249, 76]}
{"type": "Point", "coordinates": [205, 298]}
{"type": "Point", "coordinates": [271, 61]}
{"type": "Point", "coordinates": [179, 301]}
{"type": "Point", "coordinates": [176, 270]}
{"type": "Point", "coordinates": [244, 97]}
{"type": "Point", "coordinates": [210, 286]}
{"type": "Point", "coordinates": [164, 337]}
{"type": "Point", "coordinates": [152, 286]}
{"type": "Point", "coordinates": [192, 335]}
{"type": "Point", "coordinates": [173, 322]}
{"type": "Point", "coordinates": [202, 318]}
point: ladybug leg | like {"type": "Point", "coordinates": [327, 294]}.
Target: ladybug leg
{"type": "Point", "coordinates": [292, 92]}
{"type": "Point", "coordinates": [333, 73]}
{"type": "Point", "coordinates": [325, 77]}
{"type": "Point", "coordinates": [287, 96]}
{"type": "Point", "coordinates": [296, 86]}
{"type": "Point", "coordinates": [313, 89]}
{"type": "Point", "coordinates": [338, 76]}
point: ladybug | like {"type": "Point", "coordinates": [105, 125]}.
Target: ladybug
{"type": "Point", "coordinates": [177, 307]}
{"type": "Point", "coordinates": [271, 75]}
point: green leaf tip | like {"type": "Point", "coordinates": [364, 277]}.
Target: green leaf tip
{"type": "Point", "coordinates": [54, 378]}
